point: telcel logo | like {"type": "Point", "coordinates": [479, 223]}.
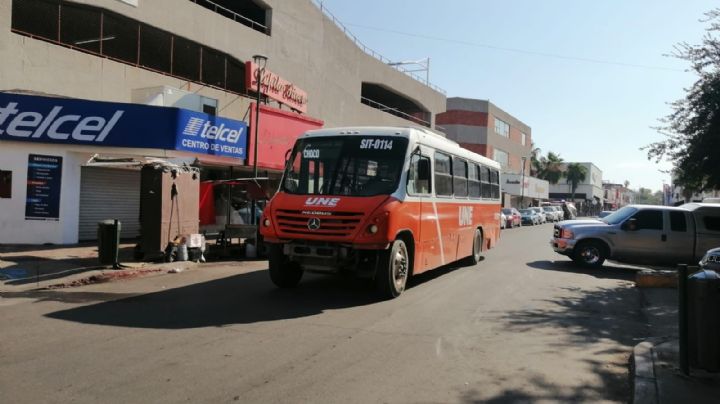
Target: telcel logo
{"type": "Point", "coordinates": [54, 125]}
{"type": "Point", "coordinates": [205, 129]}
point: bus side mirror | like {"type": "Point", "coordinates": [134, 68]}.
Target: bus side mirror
{"type": "Point", "coordinates": [287, 154]}
{"type": "Point", "coordinates": [423, 169]}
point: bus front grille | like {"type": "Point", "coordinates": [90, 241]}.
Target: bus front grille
{"type": "Point", "coordinates": [333, 224]}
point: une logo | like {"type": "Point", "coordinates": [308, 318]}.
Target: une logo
{"type": "Point", "coordinates": [317, 201]}
{"type": "Point", "coordinates": [466, 215]}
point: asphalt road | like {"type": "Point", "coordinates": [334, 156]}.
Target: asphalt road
{"type": "Point", "coordinates": [523, 325]}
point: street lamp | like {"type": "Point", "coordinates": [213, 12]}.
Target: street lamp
{"type": "Point", "coordinates": [522, 183]}
{"type": "Point", "coordinates": [260, 62]}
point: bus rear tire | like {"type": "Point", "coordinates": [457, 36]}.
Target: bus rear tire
{"type": "Point", "coordinates": [392, 273]}
{"type": "Point", "coordinates": [476, 255]}
{"type": "Point", "coordinates": [283, 272]}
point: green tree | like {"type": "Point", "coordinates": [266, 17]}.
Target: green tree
{"type": "Point", "coordinates": [575, 174]}
{"type": "Point", "coordinates": [692, 130]}
{"type": "Point", "coordinates": [645, 196]}
{"type": "Point", "coordinates": [551, 168]}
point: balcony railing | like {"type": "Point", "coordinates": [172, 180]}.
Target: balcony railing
{"type": "Point", "coordinates": [371, 52]}
{"type": "Point", "coordinates": [395, 111]}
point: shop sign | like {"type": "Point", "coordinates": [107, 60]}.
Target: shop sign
{"type": "Point", "coordinates": [82, 122]}
{"type": "Point", "coordinates": [211, 135]}
{"type": "Point", "coordinates": [276, 88]}
{"type": "Point", "coordinates": [44, 176]}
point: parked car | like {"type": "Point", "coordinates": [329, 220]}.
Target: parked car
{"type": "Point", "coordinates": [711, 260]}
{"type": "Point", "coordinates": [529, 217]}
{"type": "Point", "coordinates": [541, 213]}
{"type": "Point", "coordinates": [551, 213]}
{"type": "Point", "coordinates": [641, 234]}
{"type": "Point", "coordinates": [513, 217]}
{"type": "Point", "coordinates": [560, 213]}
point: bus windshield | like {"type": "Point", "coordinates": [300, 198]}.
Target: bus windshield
{"type": "Point", "coordinates": [345, 165]}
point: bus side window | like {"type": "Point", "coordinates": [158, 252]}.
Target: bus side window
{"type": "Point", "coordinates": [443, 175]}
{"type": "Point", "coordinates": [485, 182]}
{"type": "Point", "coordinates": [474, 181]}
{"type": "Point", "coordinates": [419, 175]}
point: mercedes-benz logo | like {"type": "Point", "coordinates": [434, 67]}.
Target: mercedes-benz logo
{"type": "Point", "coordinates": [313, 223]}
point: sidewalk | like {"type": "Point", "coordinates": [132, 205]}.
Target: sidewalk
{"type": "Point", "coordinates": [657, 376]}
{"type": "Point", "coordinates": [28, 267]}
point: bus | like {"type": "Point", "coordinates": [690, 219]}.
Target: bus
{"type": "Point", "coordinates": [384, 203]}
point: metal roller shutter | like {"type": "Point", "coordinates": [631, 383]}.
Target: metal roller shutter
{"type": "Point", "coordinates": [109, 193]}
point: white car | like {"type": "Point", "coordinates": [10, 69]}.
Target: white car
{"type": "Point", "coordinates": [541, 213]}
{"type": "Point", "coordinates": [551, 213]}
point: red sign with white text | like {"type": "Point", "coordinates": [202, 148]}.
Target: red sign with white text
{"type": "Point", "coordinates": [277, 134]}
{"type": "Point", "coordinates": [276, 88]}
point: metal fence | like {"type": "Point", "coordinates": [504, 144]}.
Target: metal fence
{"type": "Point", "coordinates": [394, 111]}
{"type": "Point", "coordinates": [371, 52]}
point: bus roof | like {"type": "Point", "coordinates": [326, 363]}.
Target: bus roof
{"type": "Point", "coordinates": [418, 134]}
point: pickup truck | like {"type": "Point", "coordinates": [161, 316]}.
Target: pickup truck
{"type": "Point", "coordinates": [641, 234]}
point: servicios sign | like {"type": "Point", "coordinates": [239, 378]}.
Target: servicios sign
{"type": "Point", "coordinates": [69, 121]}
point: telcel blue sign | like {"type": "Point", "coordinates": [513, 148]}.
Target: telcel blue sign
{"type": "Point", "coordinates": [68, 121]}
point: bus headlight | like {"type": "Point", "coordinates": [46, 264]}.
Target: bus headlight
{"type": "Point", "coordinates": [266, 222]}
{"type": "Point", "coordinates": [372, 229]}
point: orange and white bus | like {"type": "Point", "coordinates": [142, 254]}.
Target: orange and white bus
{"type": "Point", "coordinates": [383, 202]}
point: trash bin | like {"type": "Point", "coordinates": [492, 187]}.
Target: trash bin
{"type": "Point", "coordinates": [108, 241]}
{"type": "Point", "coordinates": [704, 320]}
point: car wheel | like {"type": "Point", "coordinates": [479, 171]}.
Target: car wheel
{"type": "Point", "coordinates": [392, 274]}
{"type": "Point", "coordinates": [283, 272]}
{"type": "Point", "coordinates": [590, 254]}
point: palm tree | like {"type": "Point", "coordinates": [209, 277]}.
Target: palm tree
{"type": "Point", "coordinates": [575, 174]}
{"type": "Point", "coordinates": [535, 164]}
{"type": "Point", "coordinates": [552, 168]}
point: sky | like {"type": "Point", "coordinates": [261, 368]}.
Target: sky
{"type": "Point", "coordinates": [591, 78]}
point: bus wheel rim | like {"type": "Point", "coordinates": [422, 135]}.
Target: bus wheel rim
{"type": "Point", "coordinates": [400, 267]}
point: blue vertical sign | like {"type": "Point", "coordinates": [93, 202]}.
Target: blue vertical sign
{"type": "Point", "coordinates": [44, 178]}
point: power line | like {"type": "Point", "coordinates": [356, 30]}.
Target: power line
{"type": "Point", "coordinates": [515, 50]}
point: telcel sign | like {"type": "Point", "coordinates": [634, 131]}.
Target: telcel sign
{"type": "Point", "coordinates": [68, 121]}
{"type": "Point", "coordinates": [55, 125]}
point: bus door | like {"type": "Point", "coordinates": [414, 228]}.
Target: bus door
{"type": "Point", "coordinates": [419, 189]}
{"type": "Point", "coordinates": [445, 211]}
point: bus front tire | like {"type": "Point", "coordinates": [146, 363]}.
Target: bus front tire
{"type": "Point", "coordinates": [283, 272]}
{"type": "Point", "coordinates": [393, 270]}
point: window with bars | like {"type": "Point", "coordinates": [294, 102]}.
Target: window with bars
{"type": "Point", "coordinates": [108, 34]}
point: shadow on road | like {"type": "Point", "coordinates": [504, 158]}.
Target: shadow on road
{"type": "Point", "coordinates": [591, 319]}
{"type": "Point", "coordinates": [606, 272]}
{"type": "Point", "coordinates": [240, 299]}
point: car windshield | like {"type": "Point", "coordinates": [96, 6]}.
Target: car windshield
{"type": "Point", "coordinates": [548, 209]}
{"type": "Point", "coordinates": [619, 216]}
{"type": "Point", "coordinates": [526, 211]}
{"type": "Point", "coordinates": [345, 165]}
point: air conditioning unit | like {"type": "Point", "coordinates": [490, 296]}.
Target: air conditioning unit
{"type": "Point", "coordinates": [166, 96]}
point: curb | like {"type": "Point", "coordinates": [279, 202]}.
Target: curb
{"type": "Point", "coordinates": [643, 372]}
{"type": "Point", "coordinates": [656, 279]}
